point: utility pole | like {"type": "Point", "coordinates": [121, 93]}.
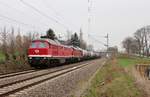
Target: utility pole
{"type": "Point", "coordinates": [107, 45]}
{"type": "Point", "coordinates": [89, 18]}
{"type": "Point", "coordinates": [107, 41]}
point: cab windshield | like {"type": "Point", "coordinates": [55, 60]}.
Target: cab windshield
{"type": "Point", "coordinates": [39, 45]}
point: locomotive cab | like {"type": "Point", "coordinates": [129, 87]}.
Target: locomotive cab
{"type": "Point", "coordinates": [38, 48]}
{"type": "Point", "coordinates": [38, 52]}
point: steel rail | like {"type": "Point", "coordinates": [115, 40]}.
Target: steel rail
{"type": "Point", "coordinates": [56, 73]}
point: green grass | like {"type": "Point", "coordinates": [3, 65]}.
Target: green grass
{"type": "Point", "coordinates": [128, 62]}
{"type": "Point", "coordinates": [125, 62]}
{"type": "Point", "coordinates": [2, 57]}
{"type": "Point", "coordinates": [113, 81]}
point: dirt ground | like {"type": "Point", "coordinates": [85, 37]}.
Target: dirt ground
{"type": "Point", "coordinates": [9, 67]}
{"type": "Point", "coordinates": [142, 82]}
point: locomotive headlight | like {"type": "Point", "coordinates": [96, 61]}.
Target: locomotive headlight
{"type": "Point", "coordinates": [44, 58]}
{"type": "Point", "coordinates": [30, 57]}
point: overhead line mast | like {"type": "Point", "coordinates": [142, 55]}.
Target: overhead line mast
{"type": "Point", "coordinates": [89, 21]}
{"type": "Point", "coordinates": [89, 17]}
{"type": "Point", "coordinates": [107, 38]}
{"type": "Point", "coordinates": [89, 26]}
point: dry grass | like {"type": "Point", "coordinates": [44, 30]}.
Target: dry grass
{"type": "Point", "coordinates": [113, 81]}
{"type": "Point", "coordinates": [141, 82]}
{"type": "Point", "coordinates": [13, 66]}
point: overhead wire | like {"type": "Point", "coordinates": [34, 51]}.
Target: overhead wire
{"type": "Point", "coordinates": [89, 23]}
{"type": "Point", "coordinates": [89, 16]}
{"type": "Point", "coordinates": [99, 36]}
{"type": "Point", "coordinates": [97, 40]}
{"type": "Point", "coordinates": [14, 20]}
{"type": "Point", "coordinates": [50, 7]}
{"type": "Point", "coordinates": [43, 14]}
{"type": "Point", "coordinates": [59, 16]}
{"type": "Point", "coordinates": [57, 13]}
{"type": "Point", "coordinates": [8, 6]}
{"type": "Point", "coordinates": [34, 8]}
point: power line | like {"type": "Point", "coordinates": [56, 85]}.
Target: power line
{"type": "Point", "coordinates": [11, 7]}
{"type": "Point", "coordinates": [6, 5]}
{"type": "Point", "coordinates": [16, 21]}
{"type": "Point", "coordinates": [89, 15]}
{"type": "Point", "coordinates": [57, 13]}
{"type": "Point", "coordinates": [107, 37]}
{"type": "Point", "coordinates": [43, 14]}
{"type": "Point", "coordinates": [50, 7]}
{"type": "Point", "coordinates": [90, 2]}
{"type": "Point", "coordinates": [97, 40]}
{"type": "Point", "coordinates": [99, 36]}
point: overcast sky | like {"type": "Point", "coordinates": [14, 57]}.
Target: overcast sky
{"type": "Point", "coordinates": [119, 18]}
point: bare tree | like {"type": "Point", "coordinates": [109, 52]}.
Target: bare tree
{"type": "Point", "coordinates": [130, 45]}
{"type": "Point", "coordinates": [4, 39]}
{"type": "Point", "coordinates": [83, 44]}
{"type": "Point", "coordinates": [143, 38]}
{"type": "Point", "coordinates": [26, 43]}
{"type": "Point", "coordinates": [12, 44]}
{"type": "Point", "coordinates": [90, 47]}
{"type": "Point", "coordinates": [140, 39]}
{"type": "Point", "coordinates": [19, 46]}
{"type": "Point", "coordinates": [113, 51]}
{"type": "Point", "coordinates": [69, 33]}
{"type": "Point", "coordinates": [134, 46]}
{"type": "Point", "coordinates": [147, 40]}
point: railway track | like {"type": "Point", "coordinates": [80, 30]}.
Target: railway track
{"type": "Point", "coordinates": [15, 73]}
{"type": "Point", "coordinates": [15, 83]}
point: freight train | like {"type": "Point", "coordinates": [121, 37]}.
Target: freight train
{"type": "Point", "coordinates": [46, 52]}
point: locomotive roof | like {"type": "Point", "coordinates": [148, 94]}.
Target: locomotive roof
{"type": "Point", "coordinates": [54, 42]}
{"type": "Point", "coordinates": [77, 48]}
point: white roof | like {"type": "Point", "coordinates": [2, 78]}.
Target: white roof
{"type": "Point", "coordinates": [54, 42]}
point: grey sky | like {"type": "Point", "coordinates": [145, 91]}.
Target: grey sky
{"type": "Point", "coordinates": [119, 18]}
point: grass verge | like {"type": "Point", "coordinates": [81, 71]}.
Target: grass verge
{"type": "Point", "coordinates": [113, 81]}
{"type": "Point", "coordinates": [129, 62]}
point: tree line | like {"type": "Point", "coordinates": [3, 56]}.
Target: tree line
{"type": "Point", "coordinates": [75, 39]}
{"type": "Point", "coordinates": [139, 44]}
{"type": "Point", "coordinates": [14, 45]}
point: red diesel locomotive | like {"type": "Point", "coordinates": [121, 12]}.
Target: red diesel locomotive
{"type": "Point", "coordinates": [46, 52]}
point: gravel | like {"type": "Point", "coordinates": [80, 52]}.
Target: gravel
{"type": "Point", "coordinates": [62, 86]}
{"type": "Point", "coordinates": [8, 80]}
